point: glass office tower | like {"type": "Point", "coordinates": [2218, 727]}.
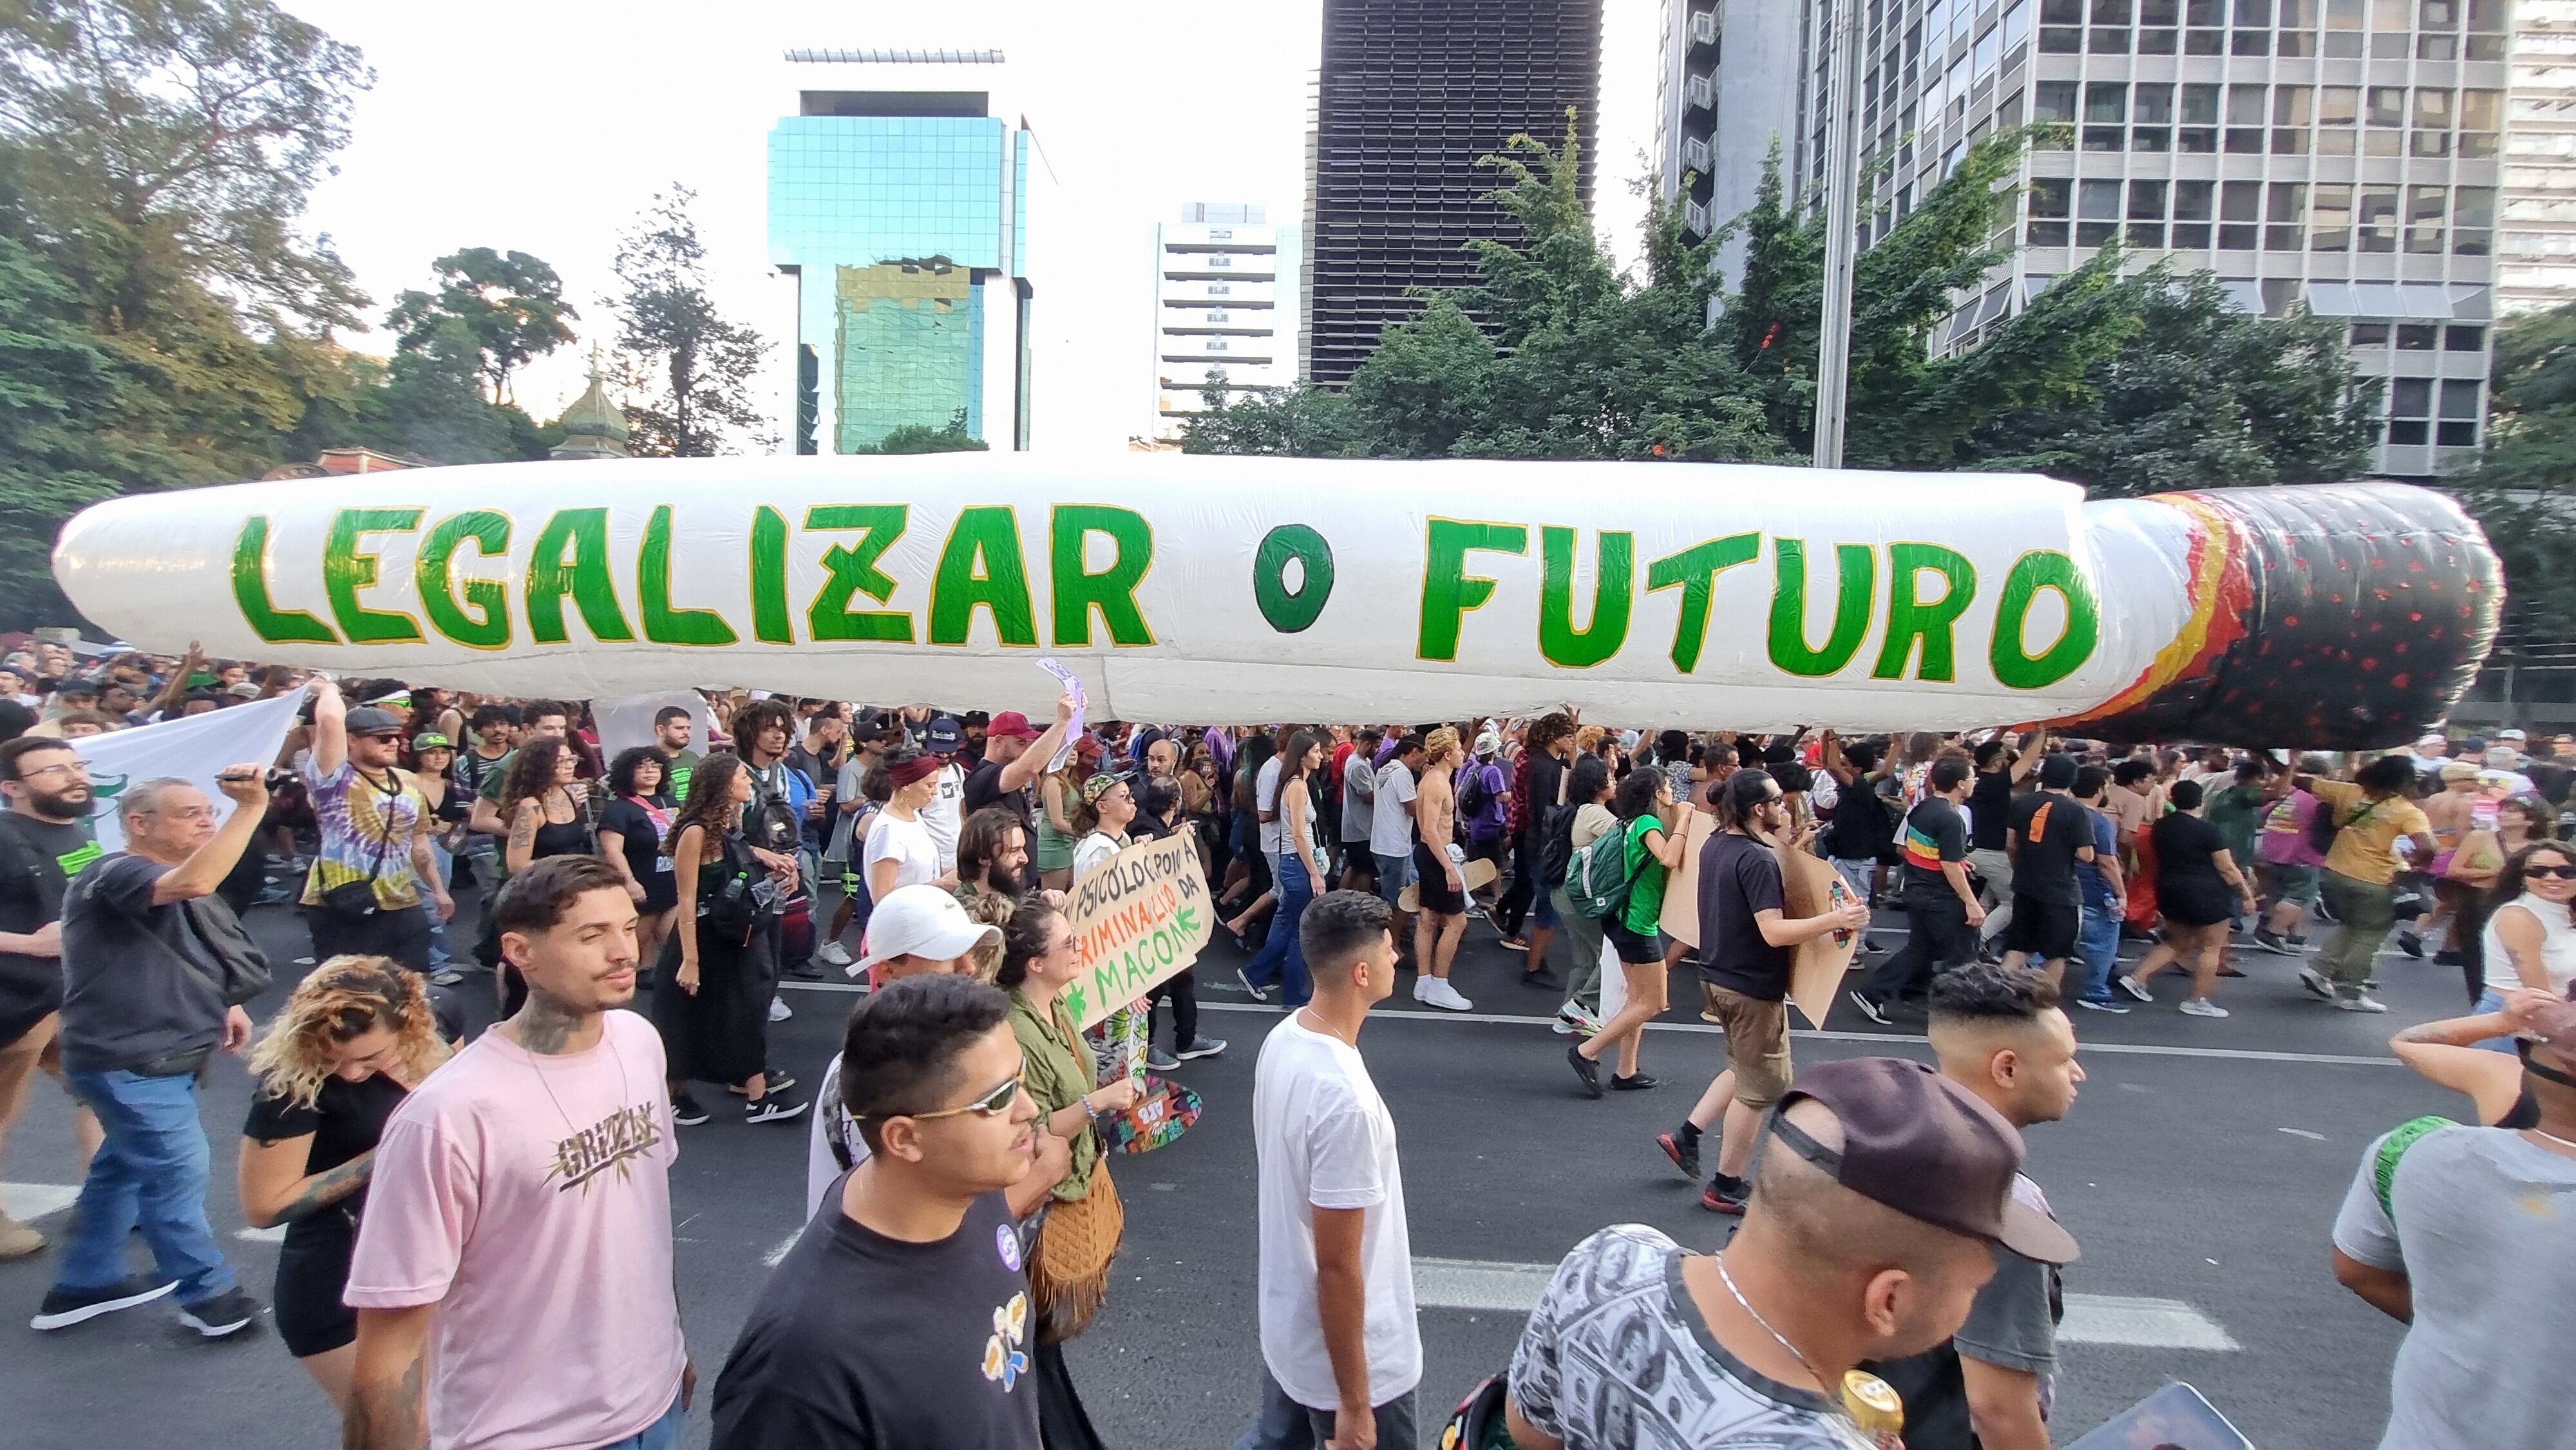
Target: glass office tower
{"type": "Point", "coordinates": [898, 199]}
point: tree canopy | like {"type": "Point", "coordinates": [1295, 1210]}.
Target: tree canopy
{"type": "Point", "coordinates": [688, 369]}
{"type": "Point", "coordinates": [2523, 488]}
{"type": "Point", "coordinates": [508, 306]}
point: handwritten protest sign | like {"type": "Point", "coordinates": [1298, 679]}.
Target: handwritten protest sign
{"type": "Point", "coordinates": [1138, 917]}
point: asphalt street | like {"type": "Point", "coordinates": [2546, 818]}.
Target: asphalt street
{"type": "Point", "coordinates": [2201, 1170]}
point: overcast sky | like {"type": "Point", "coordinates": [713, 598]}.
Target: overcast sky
{"type": "Point", "coordinates": [544, 125]}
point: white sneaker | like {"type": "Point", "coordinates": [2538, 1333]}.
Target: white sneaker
{"type": "Point", "coordinates": [833, 954]}
{"type": "Point", "coordinates": [1437, 992]}
{"type": "Point", "coordinates": [2201, 1007]}
{"type": "Point", "coordinates": [2362, 1003]}
{"type": "Point", "coordinates": [779, 1011]}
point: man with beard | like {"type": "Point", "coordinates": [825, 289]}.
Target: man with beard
{"type": "Point", "coordinates": [45, 839]}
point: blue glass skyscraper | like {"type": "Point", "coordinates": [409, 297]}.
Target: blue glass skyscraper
{"type": "Point", "coordinates": [899, 202]}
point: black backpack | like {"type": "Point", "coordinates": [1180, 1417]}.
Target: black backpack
{"type": "Point", "coordinates": [2323, 825]}
{"type": "Point", "coordinates": [1476, 794]}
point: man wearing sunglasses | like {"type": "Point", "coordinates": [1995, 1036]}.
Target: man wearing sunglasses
{"type": "Point", "coordinates": [375, 835]}
{"type": "Point", "coordinates": [902, 1316]}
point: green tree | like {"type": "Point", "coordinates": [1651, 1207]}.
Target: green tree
{"type": "Point", "coordinates": [509, 304]}
{"type": "Point", "coordinates": [691, 368]}
{"type": "Point", "coordinates": [2523, 488]}
{"type": "Point", "coordinates": [58, 399]}
{"type": "Point", "coordinates": [922, 438]}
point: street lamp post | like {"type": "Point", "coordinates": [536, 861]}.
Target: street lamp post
{"type": "Point", "coordinates": [1842, 197]}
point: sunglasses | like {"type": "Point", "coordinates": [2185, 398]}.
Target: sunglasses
{"type": "Point", "coordinates": [2563, 873]}
{"type": "Point", "coordinates": [991, 1105]}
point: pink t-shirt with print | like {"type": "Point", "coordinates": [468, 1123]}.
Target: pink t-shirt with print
{"type": "Point", "coordinates": [529, 1198]}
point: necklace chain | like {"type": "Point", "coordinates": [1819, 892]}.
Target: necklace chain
{"type": "Point", "coordinates": [2552, 1137]}
{"type": "Point", "coordinates": [622, 1090]}
{"type": "Point", "coordinates": [1822, 1384]}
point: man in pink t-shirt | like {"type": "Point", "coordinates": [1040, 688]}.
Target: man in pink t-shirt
{"type": "Point", "coordinates": [520, 1213]}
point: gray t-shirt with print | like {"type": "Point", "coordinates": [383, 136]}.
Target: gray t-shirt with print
{"type": "Point", "coordinates": [1617, 1357]}
{"type": "Point", "coordinates": [2482, 1229]}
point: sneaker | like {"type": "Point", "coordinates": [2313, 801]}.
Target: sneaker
{"type": "Point", "coordinates": [2112, 1005]}
{"type": "Point", "coordinates": [779, 1011]}
{"type": "Point", "coordinates": [2316, 983]}
{"type": "Point", "coordinates": [1543, 979]}
{"type": "Point", "coordinates": [772, 1109]}
{"type": "Point", "coordinates": [446, 977]}
{"type": "Point", "coordinates": [17, 1240]}
{"type": "Point", "coordinates": [1157, 1060]}
{"type": "Point", "coordinates": [1635, 1082]}
{"type": "Point", "coordinates": [2298, 945]}
{"type": "Point", "coordinates": [686, 1112]}
{"type": "Point", "coordinates": [64, 1308]}
{"type": "Point", "coordinates": [834, 954]}
{"type": "Point", "coordinates": [772, 1079]}
{"type": "Point", "coordinates": [1572, 1019]}
{"type": "Point", "coordinates": [2270, 941]}
{"type": "Point", "coordinates": [807, 969]}
{"type": "Point", "coordinates": [2134, 987]}
{"type": "Point", "coordinates": [2362, 1003]}
{"type": "Point", "coordinates": [2410, 943]}
{"type": "Point", "coordinates": [2227, 970]}
{"type": "Point", "coordinates": [1513, 944]}
{"type": "Point", "coordinates": [1257, 994]}
{"type": "Point", "coordinates": [1725, 1195]}
{"type": "Point", "coordinates": [1201, 1047]}
{"type": "Point", "coordinates": [1436, 992]}
{"type": "Point", "coordinates": [227, 1313]}
{"type": "Point", "coordinates": [1586, 1071]}
{"type": "Point", "coordinates": [1685, 1155]}
{"type": "Point", "coordinates": [2201, 1007]}
{"type": "Point", "coordinates": [1869, 1008]}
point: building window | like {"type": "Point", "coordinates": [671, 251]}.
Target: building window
{"type": "Point", "coordinates": [2486, 40]}
{"type": "Point", "coordinates": [2156, 21]}
{"type": "Point", "coordinates": [2463, 339]}
{"type": "Point", "coordinates": [2240, 207]}
{"type": "Point", "coordinates": [2425, 206]}
{"type": "Point", "coordinates": [2286, 222]}
{"type": "Point", "coordinates": [2290, 120]}
{"type": "Point", "coordinates": [2206, 19]}
{"type": "Point", "coordinates": [2330, 218]}
{"type": "Point", "coordinates": [2378, 220]}
{"type": "Point", "coordinates": [2472, 220]}
{"type": "Point", "coordinates": [2298, 28]}
{"type": "Point", "coordinates": [2343, 29]}
{"type": "Point", "coordinates": [2481, 117]}
{"type": "Point", "coordinates": [2338, 117]}
{"type": "Point", "coordinates": [2417, 336]}
{"type": "Point", "coordinates": [2389, 21]}
{"type": "Point", "coordinates": [2192, 201]}
{"type": "Point", "coordinates": [2146, 214]}
{"type": "Point", "coordinates": [2459, 422]}
{"type": "Point", "coordinates": [2097, 212]}
{"type": "Point", "coordinates": [2370, 334]}
{"type": "Point", "coordinates": [2199, 131]}
{"type": "Point", "coordinates": [2410, 409]}
{"type": "Point", "coordinates": [2050, 202]}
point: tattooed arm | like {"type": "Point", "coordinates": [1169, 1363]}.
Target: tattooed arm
{"type": "Point", "coordinates": [275, 1188]}
{"type": "Point", "coordinates": [522, 849]}
{"type": "Point", "coordinates": [385, 1409]}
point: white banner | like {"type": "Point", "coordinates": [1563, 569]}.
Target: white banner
{"type": "Point", "coordinates": [195, 749]}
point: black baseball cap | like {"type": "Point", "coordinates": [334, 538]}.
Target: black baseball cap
{"type": "Point", "coordinates": [944, 735]}
{"type": "Point", "coordinates": [1926, 1147]}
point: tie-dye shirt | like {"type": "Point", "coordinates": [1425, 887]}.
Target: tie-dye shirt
{"type": "Point", "coordinates": [358, 823]}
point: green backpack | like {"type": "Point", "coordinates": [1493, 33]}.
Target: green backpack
{"type": "Point", "coordinates": [1597, 880]}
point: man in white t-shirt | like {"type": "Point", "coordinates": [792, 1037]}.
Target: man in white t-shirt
{"type": "Point", "coordinates": [1341, 1352]}
{"type": "Point", "coordinates": [1391, 827]}
{"type": "Point", "coordinates": [1265, 800]}
{"type": "Point", "coordinates": [945, 816]}
{"type": "Point", "coordinates": [520, 1210]}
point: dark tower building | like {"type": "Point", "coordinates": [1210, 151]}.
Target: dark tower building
{"type": "Point", "coordinates": [1410, 94]}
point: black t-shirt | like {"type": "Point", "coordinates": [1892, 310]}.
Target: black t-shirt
{"type": "Point", "coordinates": [1990, 806]}
{"type": "Point", "coordinates": [1933, 834]}
{"type": "Point", "coordinates": [2185, 846]}
{"type": "Point", "coordinates": [984, 788]}
{"type": "Point", "coordinates": [1738, 876]}
{"type": "Point", "coordinates": [640, 836]}
{"type": "Point", "coordinates": [2550, 779]}
{"type": "Point", "coordinates": [2051, 827]}
{"type": "Point", "coordinates": [38, 860]}
{"type": "Point", "coordinates": [346, 1119]}
{"type": "Point", "coordinates": [862, 1342]}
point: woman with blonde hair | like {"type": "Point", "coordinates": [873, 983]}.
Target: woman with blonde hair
{"type": "Point", "coordinates": [354, 1038]}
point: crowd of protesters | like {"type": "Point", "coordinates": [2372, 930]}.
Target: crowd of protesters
{"type": "Point", "coordinates": [964, 1214]}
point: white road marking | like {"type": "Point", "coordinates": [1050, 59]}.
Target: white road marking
{"type": "Point", "coordinates": [1493, 1286]}
{"type": "Point", "coordinates": [2302, 1133]}
{"type": "Point", "coordinates": [774, 1255]}
{"type": "Point", "coordinates": [274, 1234]}
{"type": "Point", "coordinates": [27, 1202]}
{"type": "Point", "coordinates": [2130, 1049]}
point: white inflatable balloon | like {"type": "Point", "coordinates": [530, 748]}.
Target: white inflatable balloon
{"type": "Point", "coordinates": [1187, 588]}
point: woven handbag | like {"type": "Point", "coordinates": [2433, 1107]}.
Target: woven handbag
{"type": "Point", "coordinates": [1069, 1273]}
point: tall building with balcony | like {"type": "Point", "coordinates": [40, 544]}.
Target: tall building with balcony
{"type": "Point", "coordinates": [2340, 156]}
{"type": "Point", "coordinates": [1411, 93]}
{"type": "Point", "coordinates": [2536, 233]}
{"type": "Point", "coordinates": [898, 200]}
{"type": "Point", "coordinates": [1225, 308]}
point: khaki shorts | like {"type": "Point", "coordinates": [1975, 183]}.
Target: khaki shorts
{"type": "Point", "coordinates": [1757, 1042]}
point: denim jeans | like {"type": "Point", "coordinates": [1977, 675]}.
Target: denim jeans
{"type": "Point", "coordinates": [662, 1434]}
{"type": "Point", "coordinates": [1282, 958]}
{"type": "Point", "coordinates": [150, 1174]}
{"type": "Point", "coordinates": [1394, 873]}
{"type": "Point", "coordinates": [438, 957]}
{"type": "Point", "coordinates": [2097, 946]}
{"type": "Point", "coordinates": [1284, 1424]}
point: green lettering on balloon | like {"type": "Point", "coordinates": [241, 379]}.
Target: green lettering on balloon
{"type": "Point", "coordinates": [769, 576]}
{"type": "Point", "coordinates": [570, 559]}
{"type": "Point", "coordinates": [2043, 569]}
{"type": "Point", "coordinates": [1696, 569]}
{"type": "Point", "coordinates": [664, 622]}
{"type": "Point", "coordinates": [250, 591]}
{"type": "Point", "coordinates": [482, 619]}
{"type": "Point", "coordinates": [1614, 590]}
{"type": "Point", "coordinates": [1448, 590]}
{"type": "Point", "coordinates": [1855, 594]}
{"type": "Point", "coordinates": [852, 571]}
{"type": "Point", "coordinates": [1910, 617]}
{"type": "Point", "coordinates": [981, 567]}
{"type": "Point", "coordinates": [347, 568]}
{"type": "Point", "coordinates": [1291, 613]}
{"type": "Point", "coordinates": [1112, 591]}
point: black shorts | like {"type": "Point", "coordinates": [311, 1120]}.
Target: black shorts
{"type": "Point", "coordinates": [2044, 929]}
{"type": "Point", "coordinates": [401, 934]}
{"type": "Point", "coordinates": [311, 1273]}
{"type": "Point", "coordinates": [1634, 947]}
{"type": "Point", "coordinates": [1432, 891]}
{"type": "Point", "coordinates": [2194, 902]}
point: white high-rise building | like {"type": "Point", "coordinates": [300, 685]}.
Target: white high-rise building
{"type": "Point", "coordinates": [1225, 308]}
{"type": "Point", "coordinates": [2336, 155]}
{"type": "Point", "coordinates": [2536, 236]}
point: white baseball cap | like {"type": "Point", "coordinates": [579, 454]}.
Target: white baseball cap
{"type": "Point", "coordinates": [920, 921]}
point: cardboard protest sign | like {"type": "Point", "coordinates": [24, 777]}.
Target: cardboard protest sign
{"type": "Point", "coordinates": [1680, 920]}
{"type": "Point", "coordinates": [1140, 916]}
{"type": "Point", "coordinates": [1807, 885]}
